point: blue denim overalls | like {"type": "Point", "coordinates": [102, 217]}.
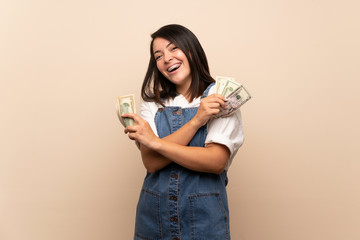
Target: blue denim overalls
{"type": "Point", "coordinates": [177, 203]}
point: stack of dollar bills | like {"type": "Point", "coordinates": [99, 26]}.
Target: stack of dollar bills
{"type": "Point", "coordinates": [125, 104]}
{"type": "Point", "coordinates": [235, 96]}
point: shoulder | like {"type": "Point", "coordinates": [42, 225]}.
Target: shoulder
{"type": "Point", "coordinates": [209, 90]}
{"type": "Point", "coordinates": [148, 107]}
{"type": "Point", "coordinates": [212, 89]}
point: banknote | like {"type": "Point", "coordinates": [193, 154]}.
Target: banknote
{"type": "Point", "coordinates": [234, 101]}
{"type": "Point", "coordinates": [230, 87]}
{"type": "Point", "coordinates": [125, 104]}
{"type": "Point", "coordinates": [235, 95]}
{"type": "Point", "coordinates": [221, 82]}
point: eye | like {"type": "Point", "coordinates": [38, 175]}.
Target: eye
{"type": "Point", "coordinates": [157, 57]}
{"type": "Point", "coordinates": [174, 48]}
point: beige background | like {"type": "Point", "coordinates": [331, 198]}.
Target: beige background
{"type": "Point", "coordinates": [67, 171]}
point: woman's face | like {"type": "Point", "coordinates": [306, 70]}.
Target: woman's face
{"type": "Point", "coordinates": [172, 63]}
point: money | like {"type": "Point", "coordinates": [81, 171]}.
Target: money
{"type": "Point", "coordinates": [230, 87]}
{"type": "Point", "coordinates": [125, 104]}
{"type": "Point", "coordinates": [221, 82]}
{"type": "Point", "coordinates": [235, 95]}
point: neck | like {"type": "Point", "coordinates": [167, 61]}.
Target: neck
{"type": "Point", "coordinates": [184, 89]}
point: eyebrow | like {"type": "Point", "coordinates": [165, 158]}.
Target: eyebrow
{"type": "Point", "coordinates": [166, 47]}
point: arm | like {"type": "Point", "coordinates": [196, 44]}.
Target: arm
{"type": "Point", "coordinates": [212, 158]}
{"type": "Point", "coordinates": [152, 159]}
{"type": "Point", "coordinates": [209, 107]}
{"type": "Point", "coordinates": [157, 153]}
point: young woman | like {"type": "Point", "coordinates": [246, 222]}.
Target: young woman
{"type": "Point", "coordinates": [185, 150]}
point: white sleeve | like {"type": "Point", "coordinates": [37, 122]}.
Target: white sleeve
{"type": "Point", "coordinates": [227, 131]}
{"type": "Point", "coordinates": [147, 112]}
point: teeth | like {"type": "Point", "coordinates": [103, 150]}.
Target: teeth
{"type": "Point", "coordinates": [173, 67]}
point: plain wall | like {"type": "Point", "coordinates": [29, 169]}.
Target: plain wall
{"type": "Point", "coordinates": [67, 170]}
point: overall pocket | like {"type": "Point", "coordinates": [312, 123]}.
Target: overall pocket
{"type": "Point", "coordinates": [208, 217]}
{"type": "Point", "coordinates": [147, 226]}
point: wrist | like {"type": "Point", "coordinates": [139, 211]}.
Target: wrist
{"type": "Point", "coordinates": [156, 144]}
{"type": "Point", "coordinates": [195, 123]}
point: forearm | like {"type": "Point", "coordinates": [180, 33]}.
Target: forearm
{"type": "Point", "coordinates": [184, 135]}
{"type": "Point", "coordinates": [152, 160]}
{"type": "Point", "coordinates": [212, 158]}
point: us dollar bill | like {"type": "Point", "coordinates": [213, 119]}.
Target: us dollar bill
{"type": "Point", "coordinates": [229, 88]}
{"type": "Point", "coordinates": [125, 104]}
{"type": "Point", "coordinates": [221, 82]}
{"type": "Point", "coordinates": [235, 95]}
{"type": "Point", "coordinates": [234, 101]}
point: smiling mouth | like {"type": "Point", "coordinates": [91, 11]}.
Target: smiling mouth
{"type": "Point", "coordinates": [174, 67]}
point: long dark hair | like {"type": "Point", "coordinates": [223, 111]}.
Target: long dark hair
{"type": "Point", "coordinates": [156, 86]}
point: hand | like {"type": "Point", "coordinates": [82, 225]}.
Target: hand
{"type": "Point", "coordinates": [141, 131]}
{"type": "Point", "coordinates": [209, 107]}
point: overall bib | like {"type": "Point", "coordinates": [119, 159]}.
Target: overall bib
{"type": "Point", "coordinates": [177, 203]}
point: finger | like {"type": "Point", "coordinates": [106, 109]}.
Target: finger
{"type": "Point", "coordinates": [129, 115]}
{"type": "Point", "coordinates": [132, 136]}
{"type": "Point", "coordinates": [130, 129]}
{"type": "Point", "coordinates": [214, 105]}
{"type": "Point", "coordinates": [211, 99]}
{"type": "Point", "coordinates": [218, 101]}
{"type": "Point", "coordinates": [222, 104]}
{"type": "Point", "coordinates": [220, 96]}
{"type": "Point", "coordinates": [216, 95]}
{"type": "Point", "coordinates": [134, 116]}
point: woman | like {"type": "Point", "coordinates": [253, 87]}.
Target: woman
{"type": "Point", "coordinates": [185, 150]}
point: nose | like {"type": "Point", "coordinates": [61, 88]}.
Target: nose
{"type": "Point", "coordinates": [168, 57]}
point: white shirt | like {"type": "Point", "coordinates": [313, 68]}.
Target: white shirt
{"type": "Point", "coordinates": [226, 131]}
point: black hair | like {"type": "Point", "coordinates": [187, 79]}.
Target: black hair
{"type": "Point", "coordinates": [156, 87]}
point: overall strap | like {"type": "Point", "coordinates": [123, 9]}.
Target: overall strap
{"type": "Point", "coordinates": [207, 90]}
